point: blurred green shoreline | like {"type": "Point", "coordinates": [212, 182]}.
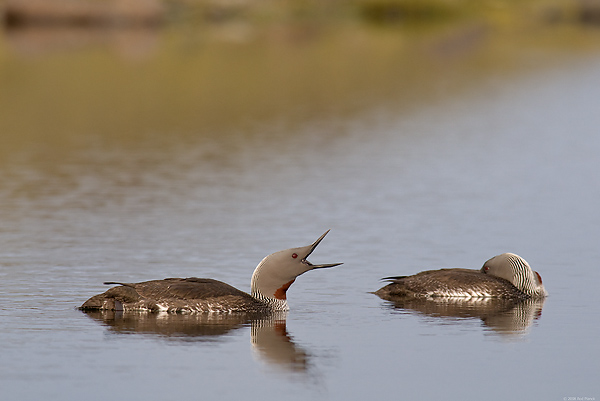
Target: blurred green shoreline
{"type": "Point", "coordinates": [414, 13]}
{"type": "Point", "coordinates": [209, 68]}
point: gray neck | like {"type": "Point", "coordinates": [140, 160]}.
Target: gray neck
{"type": "Point", "coordinates": [261, 283]}
{"type": "Point", "coordinates": [273, 303]}
{"type": "Point", "coordinates": [524, 278]}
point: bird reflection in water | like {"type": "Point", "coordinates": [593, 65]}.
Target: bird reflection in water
{"type": "Point", "coordinates": [269, 336]}
{"type": "Point", "coordinates": [505, 317]}
{"type": "Point", "coordinates": [272, 344]}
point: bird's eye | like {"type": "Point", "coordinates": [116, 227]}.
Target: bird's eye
{"type": "Point", "coordinates": [486, 268]}
{"type": "Point", "coordinates": [294, 255]}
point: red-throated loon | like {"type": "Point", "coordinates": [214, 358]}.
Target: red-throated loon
{"type": "Point", "coordinates": [270, 281]}
{"type": "Point", "coordinates": [503, 276]}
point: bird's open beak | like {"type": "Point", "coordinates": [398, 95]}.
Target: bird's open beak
{"type": "Point", "coordinates": [311, 249]}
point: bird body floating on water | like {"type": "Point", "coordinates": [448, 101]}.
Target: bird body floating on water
{"type": "Point", "coordinates": [270, 281]}
{"type": "Point", "coordinates": [506, 276]}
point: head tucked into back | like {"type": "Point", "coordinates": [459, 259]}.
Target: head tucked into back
{"type": "Point", "coordinates": [516, 270]}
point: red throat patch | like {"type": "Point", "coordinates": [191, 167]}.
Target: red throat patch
{"type": "Point", "coordinates": [280, 293]}
{"type": "Point", "coordinates": [538, 276]}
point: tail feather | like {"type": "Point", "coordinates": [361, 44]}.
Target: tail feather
{"type": "Point", "coordinates": [118, 283]}
{"type": "Point", "coordinates": [393, 278]}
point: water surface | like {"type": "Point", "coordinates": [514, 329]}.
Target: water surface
{"type": "Point", "coordinates": [508, 166]}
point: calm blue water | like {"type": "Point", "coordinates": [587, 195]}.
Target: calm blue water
{"type": "Point", "coordinates": [511, 166]}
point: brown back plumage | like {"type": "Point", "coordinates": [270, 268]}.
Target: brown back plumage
{"type": "Point", "coordinates": [186, 288]}
{"type": "Point", "coordinates": [175, 295]}
{"type": "Point", "coordinates": [448, 283]}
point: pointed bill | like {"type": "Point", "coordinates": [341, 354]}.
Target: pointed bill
{"type": "Point", "coordinates": [312, 247]}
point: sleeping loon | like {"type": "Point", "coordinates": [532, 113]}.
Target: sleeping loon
{"type": "Point", "coordinates": [270, 281]}
{"type": "Point", "coordinates": [506, 276]}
